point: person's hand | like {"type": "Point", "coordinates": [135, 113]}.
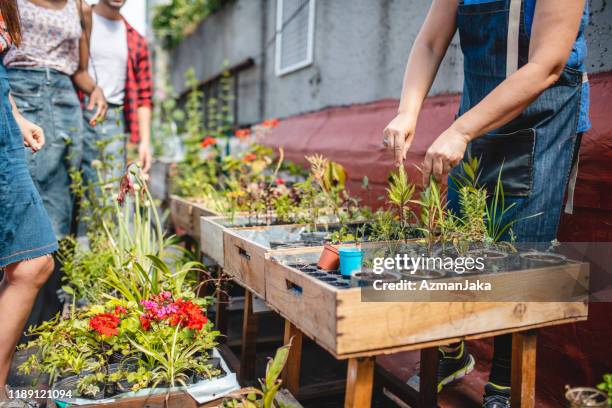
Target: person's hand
{"type": "Point", "coordinates": [444, 154]}
{"type": "Point", "coordinates": [97, 101]}
{"type": "Point", "coordinates": [145, 157]}
{"type": "Point", "coordinates": [33, 135]}
{"type": "Point", "coordinates": [398, 136]}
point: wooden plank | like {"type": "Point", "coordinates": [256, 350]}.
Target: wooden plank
{"type": "Point", "coordinates": [211, 240]}
{"type": "Point", "coordinates": [393, 324]}
{"type": "Point", "coordinates": [249, 341]}
{"type": "Point", "coordinates": [221, 321]}
{"type": "Point", "coordinates": [359, 382]}
{"type": "Point", "coordinates": [334, 318]}
{"type": "Point", "coordinates": [303, 301]}
{"type": "Point", "coordinates": [323, 389]}
{"type": "Point", "coordinates": [523, 369]}
{"type": "Point", "coordinates": [181, 213]}
{"type": "Point", "coordinates": [291, 373]}
{"type": "Point", "coordinates": [186, 215]}
{"type": "Point", "coordinates": [244, 262]}
{"type": "Point", "coordinates": [428, 381]}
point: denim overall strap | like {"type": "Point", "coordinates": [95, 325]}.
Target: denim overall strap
{"type": "Point", "coordinates": [534, 151]}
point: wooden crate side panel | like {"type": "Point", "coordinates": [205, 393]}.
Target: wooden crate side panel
{"type": "Point", "coordinates": [211, 239]}
{"type": "Point", "coordinates": [244, 262]}
{"type": "Point", "coordinates": [393, 324]}
{"type": "Point", "coordinates": [313, 310]}
{"type": "Point", "coordinates": [181, 212]}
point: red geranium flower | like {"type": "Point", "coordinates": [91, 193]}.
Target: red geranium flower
{"type": "Point", "coordinates": [119, 310]}
{"type": "Point", "coordinates": [242, 133]}
{"type": "Point", "coordinates": [145, 322]}
{"type": "Point", "coordinates": [105, 323]}
{"type": "Point", "coordinates": [271, 123]}
{"type": "Point", "coordinates": [188, 315]}
{"type": "Point", "coordinates": [208, 140]}
{"type": "Point", "coordinates": [249, 157]}
{"type": "Point", "coordinates": [280, 181]}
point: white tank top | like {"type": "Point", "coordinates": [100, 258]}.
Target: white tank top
{"type": "Point", "coordinates": [50, 38]}
{"type": "Point", "coordinates": [109, 54]}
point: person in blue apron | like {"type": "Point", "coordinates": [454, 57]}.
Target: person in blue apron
{"type": "Point", "coordinates": [523, 110]}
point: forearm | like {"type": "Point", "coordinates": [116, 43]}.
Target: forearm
{"type": "Point", "coordinates": [144, 124]}
{"type": "Point", "coordinates": [421, 69]}
{"type": "Point", "coordinates": [507, 100]}
{"type": "Point", "coordinates": [83, 81]}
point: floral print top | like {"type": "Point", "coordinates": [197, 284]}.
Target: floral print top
{"type": "Point", "coordinates": [5, 38]}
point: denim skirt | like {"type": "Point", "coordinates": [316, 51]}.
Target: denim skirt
{"type": "Point", "coordinates": [25, 228]}
{"type": "Point", "coordinates": [48, 98]}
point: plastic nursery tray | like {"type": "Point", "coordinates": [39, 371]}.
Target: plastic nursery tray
{"type": "Point", "coordinates": [347, 325]}
{"type": "Point", "coordinates": [202, 391]}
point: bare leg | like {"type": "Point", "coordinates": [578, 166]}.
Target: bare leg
{"type": "Point", "coordinates": [18, 290]}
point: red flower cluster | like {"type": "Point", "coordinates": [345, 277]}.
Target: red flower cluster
{"type": "Point", "coordinates": [280, 181]}
{"type": "Point", "coordinates": [249, 157]}
{"type": "Point", "coordinates": [208, 140]}
{"type": "Point", "coordinates": [271, 123]}
{"type": "Point", "coordinates": [180, 312]}
{"type": "Point", "coordinates": [242, 133]}
{"type": "Point", "coordinates": [188, 315]}
{"type": "Point", "coordinates": [106, 324]}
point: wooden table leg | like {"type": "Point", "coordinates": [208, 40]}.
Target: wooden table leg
{"type": "Point", "coordinates": [428, 378]}
{"type": "Point", "coordinates": [249, 340]}
{"type": "Point", "coordinates": [523, 369]}
{"type": "Point", "coordinates": [359, 382]}
{"type": "Point", "coordinates": [221, 307]}
{"type": "Point", "coordinates": [291, 373]}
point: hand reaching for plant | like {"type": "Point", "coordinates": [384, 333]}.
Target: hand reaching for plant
{"type": "Point", "coordinates": [398, 136]}
{"type": "Point", "coordinates": [444, 154]}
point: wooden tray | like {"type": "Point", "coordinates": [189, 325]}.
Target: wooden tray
{"type": "Point", "coordinates": [211, 234]}
{"type": "Point", "coordinates": [186, 215]}
{"type": "Point", "coordinates": [245, 250]}
{"type": "Point", "coordinates": [340, 322]}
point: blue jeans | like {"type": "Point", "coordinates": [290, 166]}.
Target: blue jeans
{"type": "Point", "coordinates": [48, 98]}
{"type": "Point", "coordinates": [104, 142]}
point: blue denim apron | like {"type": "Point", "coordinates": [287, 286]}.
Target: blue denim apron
{"type": "Point", "coordinates": [25, 230]}
{"type": "Point", "coordinates": [535, 151]}
{"type": "Point", "coordinates": [48, 98]}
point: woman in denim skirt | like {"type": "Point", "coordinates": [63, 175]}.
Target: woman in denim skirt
{"type": "Point", "coordinates": [26, 235]}
{"type": "Point", "coordinates": [523, 109]}
{"type": "Point", "coordinates": [43, 72]}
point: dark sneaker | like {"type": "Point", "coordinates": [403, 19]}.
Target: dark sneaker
{"type": "Point", "coordinates": [453, 368]}
{"type": "Point", "coordinates": [496, 396]}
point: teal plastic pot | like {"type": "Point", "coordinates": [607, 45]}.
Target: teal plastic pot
{"type": "Point", "coordinates": [350, 260]}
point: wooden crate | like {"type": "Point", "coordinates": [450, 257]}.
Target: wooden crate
{"type": "Point", "coordinates": [244, 256]}
{"type": "Point", "coordinates": [340, 322]}
{"type": "Point", "coordinates": [211, 234]}
{"type": "Point", "coordinates": [186, 215]}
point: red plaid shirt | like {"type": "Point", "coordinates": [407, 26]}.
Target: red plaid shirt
{"type": "Point", "coordinates": [138, 84]}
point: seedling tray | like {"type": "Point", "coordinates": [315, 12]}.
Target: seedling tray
{"type": "Point", "coordinates": [211, 232]}
{"type": "Point", "coordinates": [245, 250]}
{"type": "Point", "coordinates": [337, 318]}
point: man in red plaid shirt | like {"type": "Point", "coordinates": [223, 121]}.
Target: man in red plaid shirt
{"type": "Point", "coordinates": [119, 62]}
